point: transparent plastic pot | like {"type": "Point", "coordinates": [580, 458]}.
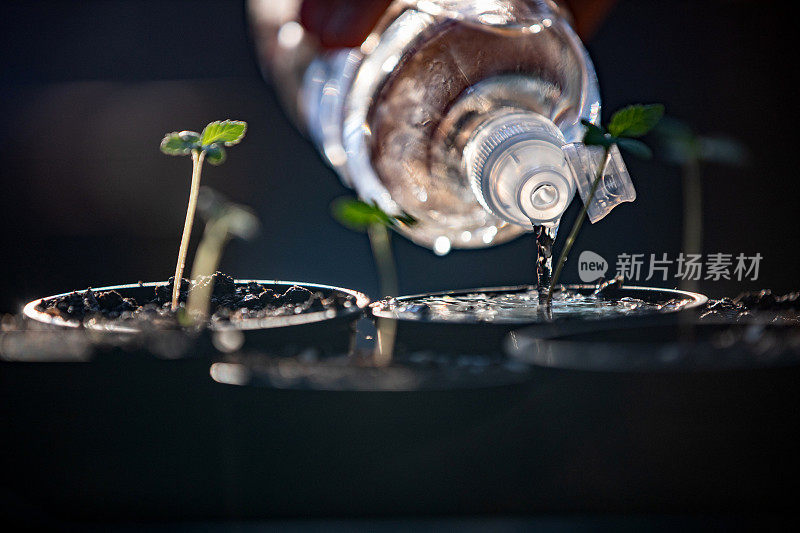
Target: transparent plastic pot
{"type": "Point", "coordinates": [675, 345]}
{"type": "Point", "coordinates": [473, 334]}
{"type": "Point", "coordinates": [332, 329]}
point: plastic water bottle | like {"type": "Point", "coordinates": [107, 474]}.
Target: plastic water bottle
{"type": "Point", "coordinates": [464, 113]}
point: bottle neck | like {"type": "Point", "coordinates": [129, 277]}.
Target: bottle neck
{"type": "Point", "coordinates": [517, 170]}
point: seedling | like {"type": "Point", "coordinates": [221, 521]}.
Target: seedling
{"type": "Point", "coordinates": [224, 219]}
{"type": "Point", "coordinates": [683, 146]}
{"type": "Point", "coordinates": [208, 145]}
{"type": "Point", "coordinates": [361, 216]}
{"type": "Point", "coordinates": [626, 125]}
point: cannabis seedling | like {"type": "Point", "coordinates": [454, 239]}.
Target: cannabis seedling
{"type": "Point", "coordinates": [208, 145]}
{"type": "Point", "coordinates": [626, 124]}
{"type": "Point", "coordinates": [361, 216]}
{"type": "Point", "coordinates": [224, 219]}
{"type": "Point", "coordinates": [681, 145]}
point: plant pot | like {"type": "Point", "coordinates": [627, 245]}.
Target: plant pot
{"type": "Point", "coordinates": [662, 346]}
{"type": "Point", "coordinates": [358, 371]}
{"type": "Point", "coordinates": [475, 336]}
{"type": "Point", "coordinates": [330, 329]}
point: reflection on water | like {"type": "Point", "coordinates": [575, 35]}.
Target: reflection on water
{"type": "Point", "coordinates": [521, 307]}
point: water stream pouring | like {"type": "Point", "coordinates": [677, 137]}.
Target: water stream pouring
{"type": "Point", "coordinates": [464, 113]}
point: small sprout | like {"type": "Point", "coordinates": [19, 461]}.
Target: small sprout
{"type": "Point", "coordinates": [625, 126]}
{"type": "Point", "coordinates": [680, 145]}
{"type": "Point", "coordinates": [201, 146]}
{"type": "Point", "coordinates": [358, 215]}
{"type": "Point", "coordinates": [215, 136]}
{"type": "Point", "coordinates": [224, 219]}
{"type": "Point", "coordinates": [635, 120]}
{"type": "Point", "coordinates": [361, 216]}
{"type": "Point", "coordinates": [237, 220]}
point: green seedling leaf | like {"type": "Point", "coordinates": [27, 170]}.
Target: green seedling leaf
{"type": "Point", "coordinates": [635, 147]}
{"type": "Point", "coordinates": [358, 215]}
{"type": "Point", "coordinates": [722, 150]}
{"type": "Point", "coordinates": [215, 154]}
{"type": "Point", "coordinates": [227, 132]}
{"type": "Point", "coordinates": [677, 142]}
{"type": "Point", "coordinates": [211, 142]}
{"type": "Point", "coordinates": [635, 120]}
{"type": "Point", "coordinates": [362, 216]}
{"type": "Point", "coordinates": [674, 129]}
{"type": "Point", "coordinates": [681, 145]}
{"type": "Point", "coordinates": [595, 135]}
{"type": "Point", "coordinates": [180, 142]}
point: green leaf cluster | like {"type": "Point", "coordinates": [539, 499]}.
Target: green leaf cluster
{"type": "Point", "coordinates": [625, 126]}
{"type": "Point", "coordinates": [359, 215]}
{"type": "Point", "coordinates": [215, 136]}
{"type": "Point", "coordinates": [681, 144]}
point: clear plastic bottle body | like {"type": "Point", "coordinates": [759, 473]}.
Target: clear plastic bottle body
{"type": "Point", "coordinates": [396, 116]}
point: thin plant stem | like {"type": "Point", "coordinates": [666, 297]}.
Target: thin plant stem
{"type": "Point", "coordinates": [206, 261]}
{"type": "Point", "coordinates": [692, 233]}
{"type": "Point", "coordinates": [197, 165]}
{"type": "Point", "coordinates": [692, 214]}
{"type": "Point", "coordinates": [380, 242]}
{"type": "Point", "coordinates": [562, 259]}
{"type": "Point", "coordinates": [384, 348]}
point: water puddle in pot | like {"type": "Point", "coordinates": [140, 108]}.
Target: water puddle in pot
{"type": "Point", "coordinates": [522, 306]}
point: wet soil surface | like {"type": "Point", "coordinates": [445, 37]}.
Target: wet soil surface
{"type": "Point", "coordinates": [763, 303]}
{"type": "Point", "coordinates": [229, 301]}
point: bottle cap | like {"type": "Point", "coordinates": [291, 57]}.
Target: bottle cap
{"type": "Point", "coordinates": [517, 169]}
{"type": "Point", "coordinates": [521, 169]}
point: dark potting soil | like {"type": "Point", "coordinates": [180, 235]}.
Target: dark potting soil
{"type": "Point", "coordinates": [229, 301]}
{"type": "Point", "coordinates": [766, 300]}
{"type": "Point", "coordinates": [762, 304]}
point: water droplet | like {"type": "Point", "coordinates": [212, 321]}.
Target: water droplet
{"type": "Point", "coordinates": [489, 234]}
{"type": "Point", "coordinates": [290, 34]}
{"type": "Point", "coordinates": [441, 246]}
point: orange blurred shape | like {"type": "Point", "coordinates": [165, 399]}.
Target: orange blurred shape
{"type": "Point", "coordinates": [346, 23]}
{"type": "Point", "coordinates": [341, 23]}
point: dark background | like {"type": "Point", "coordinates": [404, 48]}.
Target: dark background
{"type": "Point", "coordinates": [89, 88]}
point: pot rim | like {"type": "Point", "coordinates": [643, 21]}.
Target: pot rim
{"type": "Point", "coordinates": [562, 350]}
{"type": "Point", "coordinates": [694, 300]}
{"type": "Point", "coordinates": [362, 301]}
